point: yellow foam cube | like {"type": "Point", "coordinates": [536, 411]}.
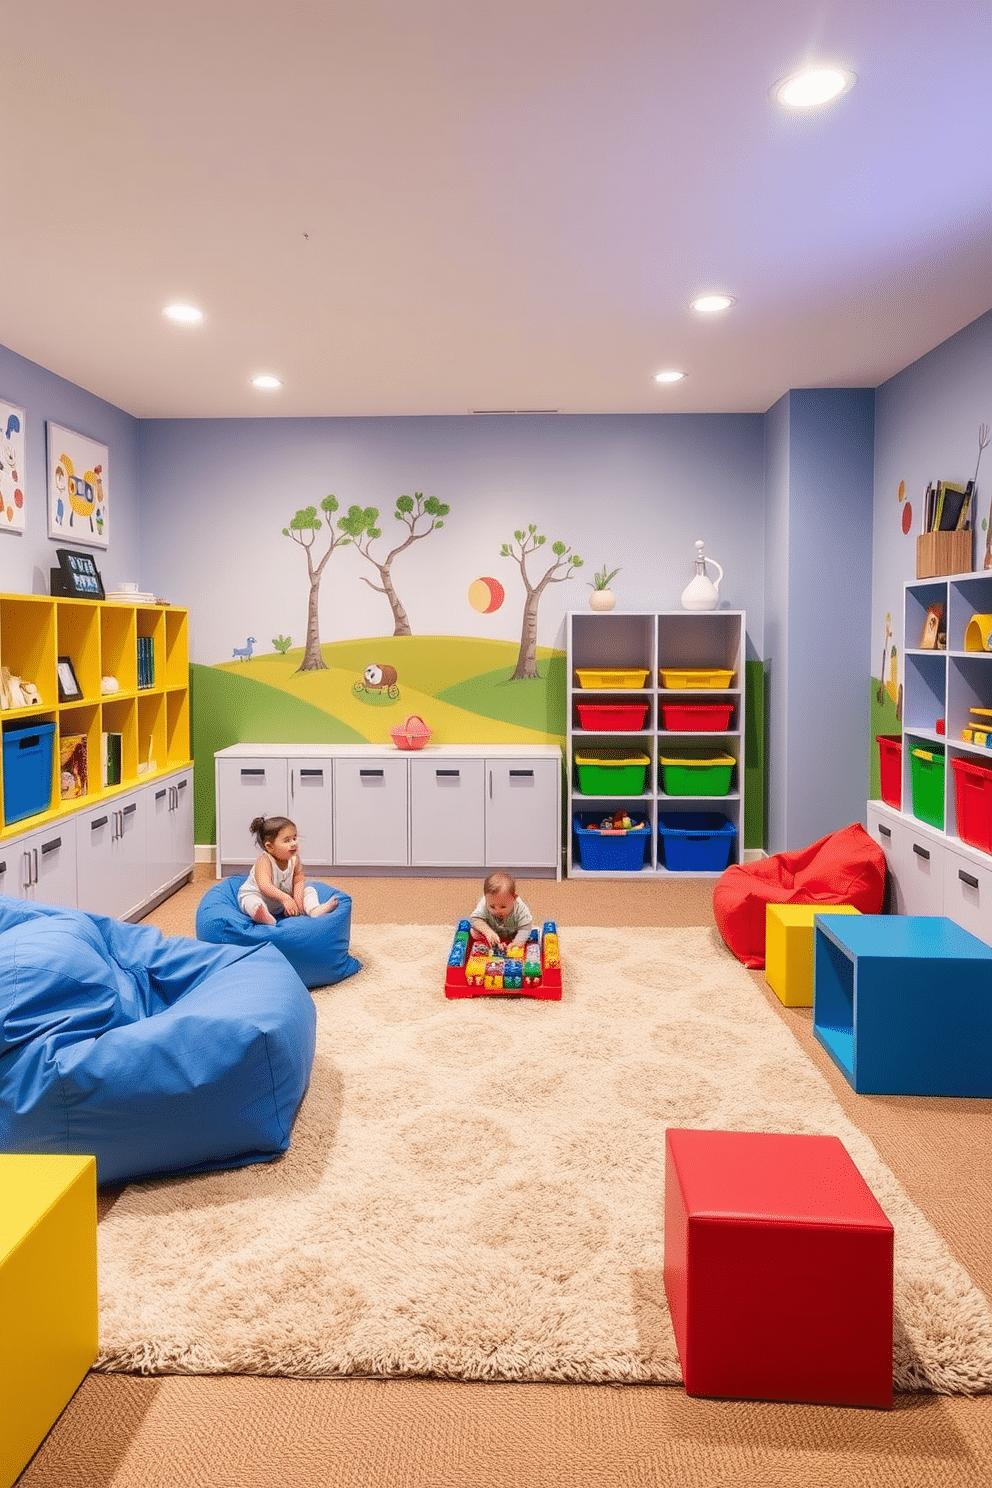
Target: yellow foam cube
{"type": "Point", "coordinates": [48, 1295]}
{"type": "Point", "coordinates": [789, 934]}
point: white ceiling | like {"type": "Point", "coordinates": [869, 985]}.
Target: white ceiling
{"type": "Point", "coordinates": [438, 206]}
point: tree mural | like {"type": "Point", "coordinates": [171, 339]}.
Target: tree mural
{"type": "Point", "coordinates": [360, 525]}
{"type": "Point", "coordinates": [563, 567]}
{"type": "Point", "coordinates": [303, 529]}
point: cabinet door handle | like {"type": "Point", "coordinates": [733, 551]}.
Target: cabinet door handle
{"type": "Point", "coordinates": [968, 878]}
{"type": "Point", "coordinates": [160, 794]}
{"type": "Point", "coordinates": [372, 774]}
{"type": "Point", "coordinates": [253, 772]}
{"type": "Point", "coordinates": [180, 785]}
{"type": "Point", "coordinates": [101, 821]}
{"type": "Point", "coordinates": [884, 831]}
{"type": "Point", "coordinates": [525, 774]}
{"type": "Point", "coordinates": [50, 845]}
{"type": "Point", "coordinates": [448, 773]}
{"type": "Point", "coordinates": [3, 867]}
{"type": "Point", "coordinates": [319, 773]}
{"type": "Point", "coordinates": [490, 785]}
{"type": "Point", "coordinates": [129, 809]}
{"type": "Point", "coordinates": [921, 852]}
{"type": "Point", "coordinates": [34, 859]}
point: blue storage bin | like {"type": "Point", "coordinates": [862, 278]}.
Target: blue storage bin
{"type": "Point", "coordinates": [695, 840]}
{"type": "Point", "coordinates": [626, 853]}
{"type": "Point", "coordinates": [27, 770]}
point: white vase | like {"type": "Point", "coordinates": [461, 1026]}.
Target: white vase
{"type": "Point", "coordinates": [602, 599]}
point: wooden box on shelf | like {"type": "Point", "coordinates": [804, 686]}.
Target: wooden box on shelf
{"type": "Point", "coordinates": [940, 553]}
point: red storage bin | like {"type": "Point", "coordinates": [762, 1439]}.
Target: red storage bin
{"type": "Point", "coordinates": [697, 716]}
{"type": "Point", "coordinates": [622, 717]}
{"type": "Point", "coordinates": [890, 768]}
{"type": "Point", "coordinates": [973, 802]}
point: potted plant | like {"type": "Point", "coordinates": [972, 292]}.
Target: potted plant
{"type": "Point", "coordinates": [602, 596]}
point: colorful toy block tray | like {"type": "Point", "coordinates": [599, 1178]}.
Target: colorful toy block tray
{"type": "Point", "coordinates": [536, 974]}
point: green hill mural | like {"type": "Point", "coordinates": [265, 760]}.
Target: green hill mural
{"type": "Point", "coordinates": [461, 686]}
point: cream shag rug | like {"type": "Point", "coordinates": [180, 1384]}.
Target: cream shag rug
{"type": "Point", "coordinates": [475, 1188]}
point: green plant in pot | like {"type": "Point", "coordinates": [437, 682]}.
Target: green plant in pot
{"type": "Point", "coordinates": [602, 596]}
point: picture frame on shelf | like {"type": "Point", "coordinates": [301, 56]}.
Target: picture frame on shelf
{"type": "Point", "coordinates": [78, 487]}
{"type": "Point", "coordinates": [13, 509]}
{"type": "Point", "coordinates": [77, 576]}
{"type": "Point", "coordinates": [69, 689]}
{"type": "Point", "coordinates": [932, 627]}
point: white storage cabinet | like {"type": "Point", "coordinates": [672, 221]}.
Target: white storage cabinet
{"type": "Point", "coordinates": [453, 809]}
{"type": "Point", "coordinates": [263, 780]}
{"type": "Point", "coordinates": [41, 865]}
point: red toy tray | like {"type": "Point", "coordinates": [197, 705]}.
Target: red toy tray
{"type": "Point", "coordinates": [547, 986]}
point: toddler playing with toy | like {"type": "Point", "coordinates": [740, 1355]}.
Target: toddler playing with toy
{"type": "Point", "coordinates": [276, 883]}
{"type": "Point", "coordinates": [501, 916]}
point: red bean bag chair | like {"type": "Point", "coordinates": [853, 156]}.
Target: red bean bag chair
{"type": "Point", "coordinates": [846, 867]}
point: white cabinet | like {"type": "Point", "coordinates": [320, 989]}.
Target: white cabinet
{"type": "Point", "coordinates": [371, 820]}
{"type": "Point", "coordinates": [447, 812]}
{"type": "Point", "coordinates": [168, 833]}
{"type": "Point", "coordinates": [627, 701]}
{"type": "Point", "coordinates": [110, 856]}
{"type": "Point", "coordinates": [523, 812]}
{"type": "Point", "coordinates": [445, 809]}
{"type": "Point", "coordinates": [266, 781]}
{"type": "Point", "coordinates": [968, 893]}
{"type": "Point", "coordinates": [42, 865]}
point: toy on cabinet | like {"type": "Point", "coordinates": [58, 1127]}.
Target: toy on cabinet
{"type": "Point", "coordinates": [480, 970]}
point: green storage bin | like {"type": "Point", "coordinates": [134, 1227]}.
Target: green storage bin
{"type": "Point", "coordinates": [611, 772]}
{"type": "Point", "coordinates": [927, 779]}
{"type": "Point", "coordinates": [696, 772]}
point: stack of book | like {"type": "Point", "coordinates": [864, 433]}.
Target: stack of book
{"type": "Point", "coordinates": [146, 661]}
{"type": "Point", "coordinates": [947, 506]}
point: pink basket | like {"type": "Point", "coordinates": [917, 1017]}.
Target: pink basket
{"type": "Point", "coordinates": [413, 734]}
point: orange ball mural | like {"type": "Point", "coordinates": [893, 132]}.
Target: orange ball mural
{"type": "Point", "coordinates": [486, 595]}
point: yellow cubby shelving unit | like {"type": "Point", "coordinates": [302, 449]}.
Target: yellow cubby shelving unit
{"type": "Point", "coordinates": [101, 640]}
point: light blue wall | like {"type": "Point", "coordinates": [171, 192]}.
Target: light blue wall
{"type": "Point", "coordinates": [926, 428]}
{"type": "Point", "coordinates": [630, 492]}
{"type": "Point", "coordinates": [777, 595]}
{"type": "Point", "coordinates": [27, 558]}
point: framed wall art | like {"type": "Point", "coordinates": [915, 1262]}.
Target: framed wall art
{"type": "Point", "coordinates": [12, 509]}
{"type": "Point", "coordinates": [78, 487]}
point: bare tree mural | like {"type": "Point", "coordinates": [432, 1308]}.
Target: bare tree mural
{"type": "Point", "coordinates": [303, 529]}
{"type": "Point", "coordinates": [413, 511]}
{"type": "Point", "coordinates": [565, 563]}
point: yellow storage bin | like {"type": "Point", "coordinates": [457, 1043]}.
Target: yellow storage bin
{"type": "Point", "coordinates": [611, 677]}
{"type": "Point", "coordinates": [701, 678]}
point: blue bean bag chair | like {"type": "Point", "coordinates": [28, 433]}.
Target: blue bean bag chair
{"type": "Point", "coordinates": [316, 948]}
{"type": "Point", "coordinates": [156, 1055]}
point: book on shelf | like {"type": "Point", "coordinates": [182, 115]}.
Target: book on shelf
{"type": "Point", "coordinates": [73, 769]}
{"type": "Point", "coordinates": [146, 661]}
{"type": "Point", "coordinates": [111, 751]}
{"type": "Point", "coordinates": [947, 506]}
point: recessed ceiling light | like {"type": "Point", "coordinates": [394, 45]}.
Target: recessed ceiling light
{"type": "Point", "coordinates": [671, 376]}
{"type": "Point", "coordinates": [813, 86]}
{"type": "Point", "coordinates": [709, 304]}
{"type": "Point", "coordinates": [266, 380]}
{"type": "Point", "coordinates": [183, 314]}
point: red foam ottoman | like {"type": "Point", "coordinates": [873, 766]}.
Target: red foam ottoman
{"type": "Point", "coordinates": [778, 1269]}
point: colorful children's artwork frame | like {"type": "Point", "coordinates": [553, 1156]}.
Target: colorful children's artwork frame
{"type": "Point", "coordinates": [78, 487]}
{"type": "Point", "coordinates": [13, 509]}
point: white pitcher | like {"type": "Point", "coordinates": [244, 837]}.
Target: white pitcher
{"type": "Point", "coordinates": [701, 593]}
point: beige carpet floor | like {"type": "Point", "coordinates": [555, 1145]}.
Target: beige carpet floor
{"type": "Point", "coordinates": [122, 1431]}
{"type": "Point", "coordinates": [474, 1188]}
